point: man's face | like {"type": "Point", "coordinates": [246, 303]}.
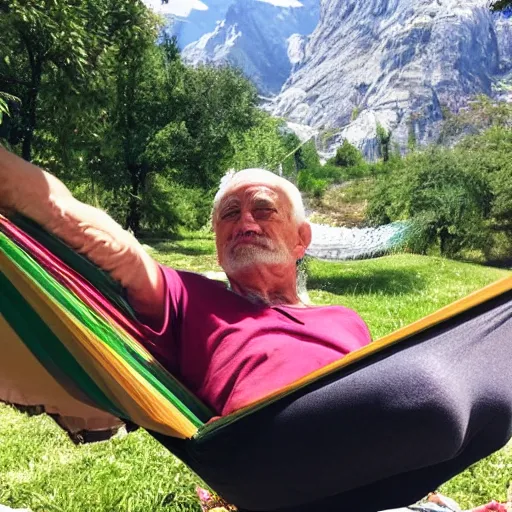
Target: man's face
{"type": "Point", "coordinates": [254, 225]}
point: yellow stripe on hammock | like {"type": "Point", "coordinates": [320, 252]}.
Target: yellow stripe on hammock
{"type": "Point", "coordinates": [143, 404]}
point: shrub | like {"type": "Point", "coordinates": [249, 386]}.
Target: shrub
{"type": "Point", "coordinates": [328, 172]}
{"type": "Point", "coordinates": [308, 183]}
{"type": "Point", "coordinates": [168, 205]}
{"type": "Point", "coordinates": [448, 203]}
{"type": "Point", "coordinates": [489, 154]}
{"type": "Point", "coordinates": [384, 138]}
{"type": "Point", "coordinates": [347, 155]}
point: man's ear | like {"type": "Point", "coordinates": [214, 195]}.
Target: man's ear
{"type": "Point", "coordinates": [304, 238]}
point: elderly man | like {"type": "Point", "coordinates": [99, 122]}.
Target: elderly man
{"type": "Point", "coordinates": [229, 347]}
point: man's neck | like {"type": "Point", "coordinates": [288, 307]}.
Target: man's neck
{"type": "Point", "coordinates": [268, 285]}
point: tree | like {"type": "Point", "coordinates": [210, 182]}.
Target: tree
{"type": "Point", "coordinates": [219, 102]}
{"type": "Point", "coordinates": [216, 104]}
{"type": "Point", "coordinates": [139, 105]}
{"type": "Point", "coordinates": [384, 138]}
{"type": "Point", "coordinates": [448, 203]}
{"type": "Point", "coordinates": [38, 35]}
{"type": "Point", "coordinates": [267, 144]}
{"type": "Point", "coordinates": [489, 155]}
{"type": "Point", "coordinates": [108, 106]}
{"type": "Point", "coordinates": [347, 155]}
{"type": "Point", "coordinates": [501, 5]}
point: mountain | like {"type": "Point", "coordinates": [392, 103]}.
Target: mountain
{"type": "Point", "coordinates": [342, 67]}
{"type": "Point", "coordinates": [266, 41]}
{"type": "Point", "coordinates": [191, 24]}
{"type": "Point", "coordinates": [395, 63]}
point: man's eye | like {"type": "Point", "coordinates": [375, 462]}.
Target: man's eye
{"type": "Point", "coordinates": [230, 214]}
{"type": "Point", "coordinates": [260, 213]}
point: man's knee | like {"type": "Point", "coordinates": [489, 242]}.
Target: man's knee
{"type": "Point", "coordinates": [431, 405]}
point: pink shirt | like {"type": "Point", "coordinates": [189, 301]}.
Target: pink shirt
{"type": "Point", "coordinates": [230, 352]}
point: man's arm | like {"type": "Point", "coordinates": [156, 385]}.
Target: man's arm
{"type": "Point", "coordinates": [26, 189]}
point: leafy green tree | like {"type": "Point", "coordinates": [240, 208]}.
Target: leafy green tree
{"type": "Point", "coordinates": [139, 103]}
{"type": "Point", "coordinates": [41, 35]}
{"type": "Point", "coordinates": [448, 202]}
{"type": "Point", "coordinates": [107, 105]}
{"type": "Point", "coordinates": [490, 156]}
{"type": "Point", "coordinates": [271, 145]}
{"type": "Point", "coordinates": [501, 5]}
{"type": "Point", "coordinates": [412, 142]}
{"type": "Point", "coordinates": [168, 205]}
{"type": "Point", "coordinates": [384, 139]}
{"type": "Point", "coordinates": [96, 127]}
{"type": "Point", "coordinates": [215, 106]}
{"type": "Point", "coordinates": [219, 102]}
{"type": "Point", "coordinates": [308, 157]}
{"type": "Point", "coordinates": [347, 155]}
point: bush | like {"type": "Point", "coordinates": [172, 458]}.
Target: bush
{"type": "Point", "coordinates": [489, 154]}
{"type": "Point", "coordinates": [348, 155]}
{"type": "Point", "coordinates": [448, 203]}
{"type": "Point", "coordinates": [307, 156]}
{"type": "Point", "coordinates": [167, 206]}
{"type": "Point", "coordinates": [328, 172]}
{"type": "Point", "coordinates": [308, 183]}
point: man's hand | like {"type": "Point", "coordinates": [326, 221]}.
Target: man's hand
{"type": "Point", "coordinates": [26, 189]}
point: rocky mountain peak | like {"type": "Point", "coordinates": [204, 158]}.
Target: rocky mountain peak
{"type": "Point", "coordinates": [394, 63]}
{"type": "Point", "coordinates": [255, 37]}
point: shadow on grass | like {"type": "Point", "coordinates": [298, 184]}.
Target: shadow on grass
{"type": "Point", "coordinates": [386, 282]}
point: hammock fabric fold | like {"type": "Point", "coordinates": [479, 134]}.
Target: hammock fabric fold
{"type": "Point", "coordinates": [316, 444]}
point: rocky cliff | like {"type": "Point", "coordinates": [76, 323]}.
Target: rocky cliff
{"type": "Point", "coordinates": [395, 63]}
{"type": "Point", "coordinates": [266, 41]}
{"type": "Point", "coordinates": [190, 26]}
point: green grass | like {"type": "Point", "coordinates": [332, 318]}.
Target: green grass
{"type": "Point", "coordinates": [41, 469]}
{"type": "Point", "coordinates": [194, 252]}
{"type": "Point", "coordinates": [393, 291]}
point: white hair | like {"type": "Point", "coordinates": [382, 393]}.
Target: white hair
{"type": "Point", "coordinates": [260, 176]}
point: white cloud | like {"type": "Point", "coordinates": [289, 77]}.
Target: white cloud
{"type": "Point", "coordinates": [283, 3]}
{"type": "Point", "coordinates": [176, 7]}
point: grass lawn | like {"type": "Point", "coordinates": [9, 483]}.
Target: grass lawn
{"type": "Point", "coordinates": [42, 470]}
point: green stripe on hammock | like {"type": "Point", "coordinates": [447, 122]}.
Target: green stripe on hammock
{"type": "Point", "coordinates": [132, 353]}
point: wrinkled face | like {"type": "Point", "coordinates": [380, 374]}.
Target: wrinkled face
{"type": "Point", "coordinates": [254, 225]}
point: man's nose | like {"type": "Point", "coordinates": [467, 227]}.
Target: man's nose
{"type": "Point", "coordinates": [247, 222]}
{"type": "Point", "coordinates": [246, 216]}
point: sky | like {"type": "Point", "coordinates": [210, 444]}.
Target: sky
{"type": "Point", "coordinates": [176, 7]}
{"type": "Point", "coordinates": [184, 7]}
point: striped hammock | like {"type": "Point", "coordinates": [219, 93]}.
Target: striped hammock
{"type": "Point", "coordinates": [84, 343]}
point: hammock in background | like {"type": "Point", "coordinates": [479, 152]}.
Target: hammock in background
{"type": "Point", "coordinates": [340, 243]}
{"type": "Point", "coordinates": [69, 320]}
